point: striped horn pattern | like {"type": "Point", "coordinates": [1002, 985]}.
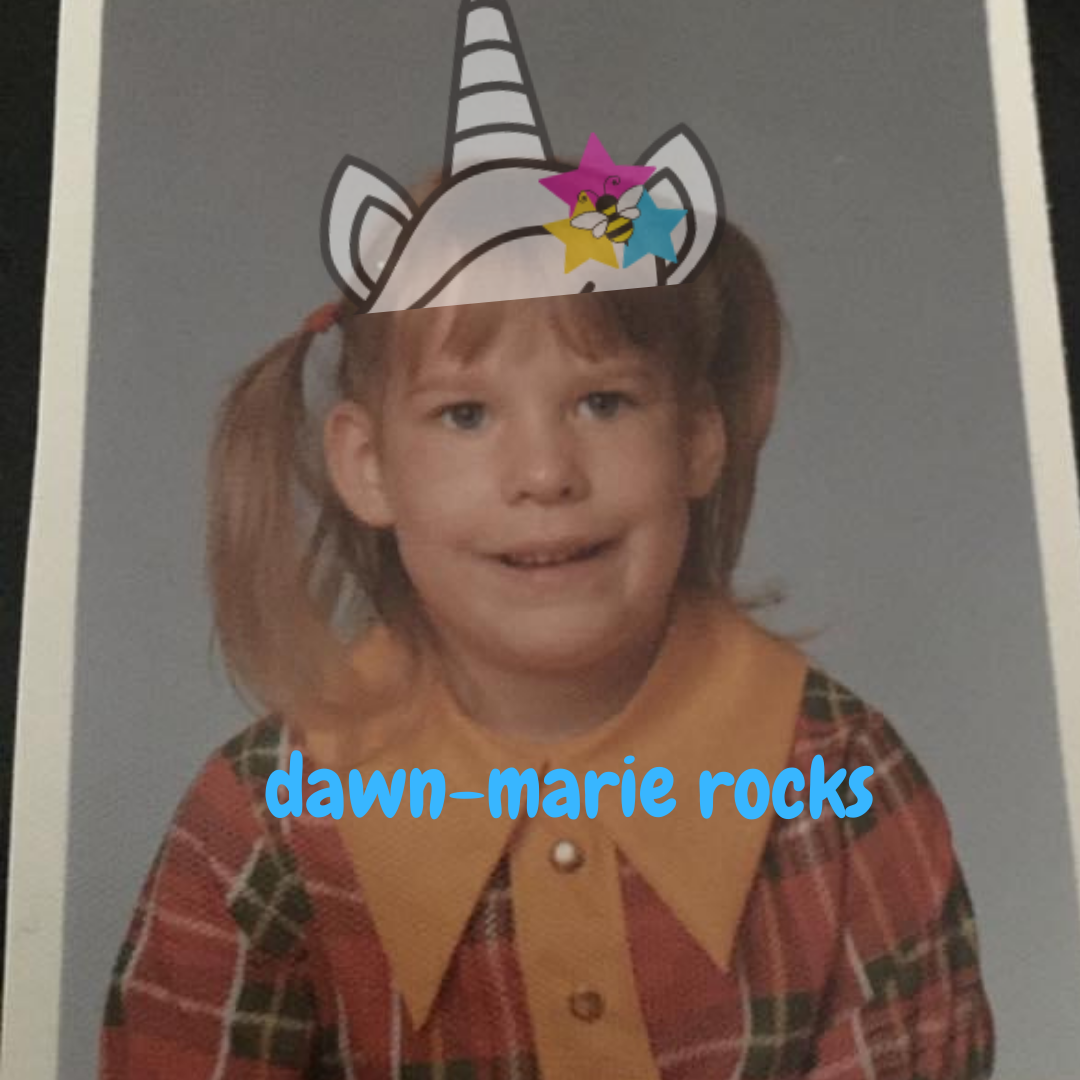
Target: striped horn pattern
{"type": "Point", "coordinates": [494, 114]}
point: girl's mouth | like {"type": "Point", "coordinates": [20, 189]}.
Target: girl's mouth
{"type": "Point", "coordinates": [545, 558]}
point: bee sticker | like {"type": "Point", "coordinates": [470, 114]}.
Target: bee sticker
{"type": "Point", "coordinates": [611, 218]}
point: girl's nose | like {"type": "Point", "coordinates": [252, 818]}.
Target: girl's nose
{"type": "Point", "coordinates": [541, 463]}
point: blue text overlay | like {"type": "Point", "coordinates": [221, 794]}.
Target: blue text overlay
{"type": "Point", "coordinates": [752, 791]}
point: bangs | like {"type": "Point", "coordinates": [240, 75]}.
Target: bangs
{"type": "Point", "coordinates": [653, 322]}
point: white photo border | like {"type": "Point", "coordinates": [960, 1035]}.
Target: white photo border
{"type": "Point", "coordinates": [1043, 375]}
{"type": "Point", "coordinates": [40, 786]}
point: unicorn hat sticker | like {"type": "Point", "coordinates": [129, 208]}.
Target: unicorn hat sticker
{"type": "Point", "coordinates": [508, 221]}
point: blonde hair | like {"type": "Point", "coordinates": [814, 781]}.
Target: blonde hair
{"type": "Point", "coordinates": [294, 575]}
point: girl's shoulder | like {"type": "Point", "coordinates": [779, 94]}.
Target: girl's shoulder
{"type": "Point", "coordinates": [255, 752]}
{"type": "Point", "coordinates": [901, 837]}
{"type": "Point", "coordinates": [222, 933]}
{"type": "Point", "coordinates": [231, 783]}
{"type": "Point", "coordinates": [896, 896]}
{"type": "Point", "coordinates": [849, 731]}
{"type": "Point", "coordinates": [223, 832]}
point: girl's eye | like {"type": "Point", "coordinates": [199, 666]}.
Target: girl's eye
{"type": "Point", "coordinates": [463, 415]}
{"type": "Point", "coordinates": [604, 404]}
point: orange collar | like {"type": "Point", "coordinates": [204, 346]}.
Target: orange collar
{"type": "Point", "coordinates": [722, 694]}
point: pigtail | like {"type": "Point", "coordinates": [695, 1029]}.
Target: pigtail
{"type": "Point", "coordinates": [737, 305]}
{"type": "Point", "coordinates": [273, 615]}
{"type": "Point", "coordinates": [750, 349]}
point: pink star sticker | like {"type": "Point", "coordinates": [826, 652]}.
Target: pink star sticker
{"type": "Point", "coordinates": [597, 174]}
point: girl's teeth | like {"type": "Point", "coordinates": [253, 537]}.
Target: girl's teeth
{"type": "Point", "coordinates": [545, 560]}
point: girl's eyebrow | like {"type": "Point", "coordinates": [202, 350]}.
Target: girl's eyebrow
{"type": "Point", "coordinates": [631, 365]}
{"type": "Point", "coordinates": [450, 373]}
{"type": "Point", "coordinates": [448, 376]}
{"type": "Point", "coordinates": [631, 362]}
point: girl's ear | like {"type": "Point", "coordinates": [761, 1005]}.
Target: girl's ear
{"type": "Point", "coordinates": [355, 465]}
{"type": "Point", "coordinates": [707, 450]}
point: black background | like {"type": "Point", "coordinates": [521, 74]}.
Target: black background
{"type": "Point", "coordinates": [27, 88]}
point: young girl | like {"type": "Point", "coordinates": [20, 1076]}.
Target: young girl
{"type": "Point", "coordinates": [510, 543]}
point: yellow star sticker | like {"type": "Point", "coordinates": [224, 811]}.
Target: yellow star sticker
{"type": "Point", "coordinates": [581, 245]}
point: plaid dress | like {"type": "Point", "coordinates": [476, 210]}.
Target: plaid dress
{"type": "Point", "coordinates": [252, 955]}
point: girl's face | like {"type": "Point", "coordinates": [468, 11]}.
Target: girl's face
{"type": "Point", "coordinates": [539, 497]}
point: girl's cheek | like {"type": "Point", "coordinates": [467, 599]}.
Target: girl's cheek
{"type": "Point", "coordinates": [445, 483]}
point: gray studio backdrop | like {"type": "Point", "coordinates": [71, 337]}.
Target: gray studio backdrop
{"type": "Point", "coordinates": [855, 141]}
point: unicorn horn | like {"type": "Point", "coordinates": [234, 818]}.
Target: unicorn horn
{"type": "Point", "coordinates": [494, 114]}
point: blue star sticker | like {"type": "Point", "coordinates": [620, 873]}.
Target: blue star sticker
{"type": "Point", "coordinates": [652, 232]}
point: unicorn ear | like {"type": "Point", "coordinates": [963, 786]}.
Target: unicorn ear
{"type": "Point", "coordinates": [686, 179]}
{"type": "Point", "coordinates": [363, 215]}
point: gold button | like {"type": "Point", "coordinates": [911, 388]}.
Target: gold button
{"type": "Point", "coordinates": [566, 856]}
{"type": "Point", "coordinates": [587, 1005]}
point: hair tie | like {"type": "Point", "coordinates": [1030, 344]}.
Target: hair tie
{"type": "Point", "coordinates": [323, 318]}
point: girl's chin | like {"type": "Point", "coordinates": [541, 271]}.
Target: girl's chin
{"type": "Point", "coordinates": [581, 637]}
{"type": "Point", "coordinates": [562, 648]}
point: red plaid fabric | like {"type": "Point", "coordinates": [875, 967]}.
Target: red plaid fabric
{"type": "Point", "coordinates": [252, 956]}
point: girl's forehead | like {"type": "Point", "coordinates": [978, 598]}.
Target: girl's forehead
{"type": "Point", "coordinates": [452, 339]}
